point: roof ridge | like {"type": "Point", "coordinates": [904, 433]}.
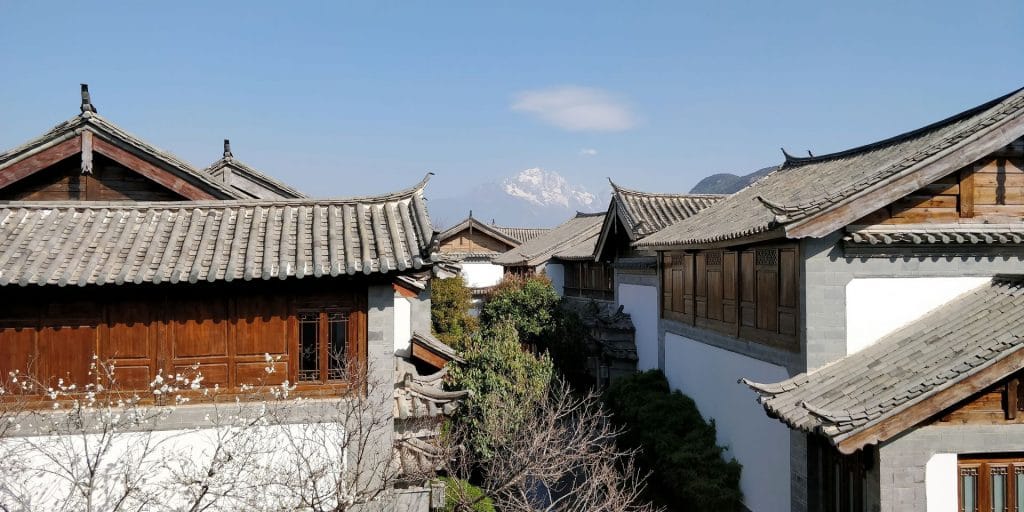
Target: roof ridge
{"type": "Point", "coordinates": [797, 160]}
{"type": "Point", "coordinates": [621, 189]}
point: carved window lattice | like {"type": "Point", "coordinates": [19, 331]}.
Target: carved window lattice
{"type": "Point", "coordinates": [991, 483]}
{"type": "Point", "coordinates": [766, 257]}
{"type": "Point", "coordinates": [309, 343]}
{"type": "Point", "coordinates": [713, 258]}
{"type": "Point", "coordinates": [323, 344]}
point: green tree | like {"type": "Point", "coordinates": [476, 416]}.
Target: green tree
{"type": "Point", "coordinates": [458, 492]}
{"type": "Point", "coordinates": [687, 466]}
{"type": "Point", "coordinates": [506, 382]}
{"type": "Point", "coordinates": [450, 302]}
{"type": "Point", "coordinates": [529, 303]}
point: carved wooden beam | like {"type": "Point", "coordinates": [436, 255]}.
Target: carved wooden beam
{"type": "Point", "coordinates": [86, 152]}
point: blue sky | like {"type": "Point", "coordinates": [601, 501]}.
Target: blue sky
{"type": "Point", "coordinates": [343, 98]}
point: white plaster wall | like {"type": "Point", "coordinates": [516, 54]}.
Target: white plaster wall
{"type": "Point", "coordinates": [556, 273]}
{"type": "Point", "coordinates": [482, 275]}
{"type": "Point", "coordinates": [403, 326]}
{"type": "Point", "coordinates": [940, 480]}
{"type": "Point", "coordinates": [641, 302]}
{"type": "Point", "coordinates": [709, 375]}
{"type": "Point", "coordinates": [878, 306]}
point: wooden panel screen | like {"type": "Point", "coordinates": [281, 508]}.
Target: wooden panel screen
{"type": "Point", "coordinates": [753, 294]}
{"type": "Point", "coordinates": [678, 290]}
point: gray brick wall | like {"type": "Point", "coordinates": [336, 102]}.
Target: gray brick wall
{"type": "Point", "coordinates": [901, 468]}
{"type": "Point", "coordinates": [380, 361]}
{"type": "Point", "coordinates": [421, 311]}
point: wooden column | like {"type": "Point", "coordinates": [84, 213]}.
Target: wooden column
{"type": "Point", "coordinates": [967, 193]}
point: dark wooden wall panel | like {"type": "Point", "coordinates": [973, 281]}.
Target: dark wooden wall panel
{"type": "Point", "coordinates": [751, 294]}
{"type": "Point", "coordinates": [261, 325]}
{"type": "Point", "coordinates": [65, 352]}
{"type": "Point", "coordinates": [226, 330]}
{"type": "Point", "coordinates": [17, 351]}
{"type": "Point", "coordinates": [199, 328]}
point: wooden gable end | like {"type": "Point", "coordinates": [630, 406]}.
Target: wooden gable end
{"type": "Point", "coordinates": [990, 189]}
{"type": "Point", "coordinates": [90, 168]}
{"type": "Point", "coordinates": [998, 404]}
{"type": "Point", "coordinates": [109, 181]}
{"type": "Point", "coordinates": [473, 241]}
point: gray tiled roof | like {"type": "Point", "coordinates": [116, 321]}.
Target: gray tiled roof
{"type": "Point", "coordinates": [933, 353]}
{"type": "Point", "coordinates": [644, 213]}
{"type": "Point", "coordinates": [925, 234]}
{"type": "Point", "coordinates": [582, 249]}
{"type": "Point", "coordinates": [250, 182]}
{"type": "Point", "coordinates": [521, 234]}
{"type": "Point", "coordinates": [100, 243]}
{"type": "Point", "coordinates": [107, 130]}
{"type": "Point", "coordinates": [540, 249]}
{"type": "Point", "coordinates": [804, 187]}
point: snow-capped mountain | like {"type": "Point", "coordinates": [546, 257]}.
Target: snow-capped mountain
{"type": "Point", "coordinates": [546, 188]}
{"type": "Point", "coordinates": [530, 198]}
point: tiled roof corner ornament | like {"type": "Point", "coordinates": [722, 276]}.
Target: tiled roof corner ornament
{"type": "Point", "coordinates": [227, 149]}
{"type": "Point", "coordinates": [823, 414]}
{"type": "Point", "coordinates": [87, 107]}
{"type": "Point", "coordinates": [789, 158]}
{"type": "Point", "coordinates": [780, 212]}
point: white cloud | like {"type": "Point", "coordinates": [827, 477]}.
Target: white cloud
{"type": "Point", "coordinates": [588, 152]}
{"type": "Point", "coordinates": [577, 109]}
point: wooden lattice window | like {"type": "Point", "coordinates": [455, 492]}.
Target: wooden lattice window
{"type": "Point", "coordinates": [991, 484]}
{"type": "Point", "coordinates": [591, 279]}
{"type": "Point", "coordinates": [323, 344]}
{"type": "Point", "coordinates": [751, 294]}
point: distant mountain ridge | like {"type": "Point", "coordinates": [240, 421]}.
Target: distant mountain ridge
{"type": "Point", "coordinates": [728, 183]}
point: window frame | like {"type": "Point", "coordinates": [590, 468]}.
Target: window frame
{"type": "Point", "coordinates": [580, 276]}
{"type": "Point", "coordinates": [352, 348]}
{"type": "Point", "coordinates": [983, 465]}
